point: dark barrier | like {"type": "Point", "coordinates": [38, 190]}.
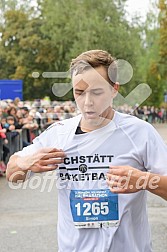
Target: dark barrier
{"type": "Point", "coordinates": [25, 135]}
{"type": "Point", "coordinates": [17, 139]}
{"type": "Point", "coordinates": [1, 149]}
{"type": "Point", "coordinates": [14, 141]}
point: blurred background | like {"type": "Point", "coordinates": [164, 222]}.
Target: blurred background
{"type": "Point", "coordinates": [38, 38]}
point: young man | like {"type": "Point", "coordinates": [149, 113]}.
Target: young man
{"type": "Point", "coordinates": [105, 161]}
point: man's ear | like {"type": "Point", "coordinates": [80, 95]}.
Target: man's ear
{"type": "Point", "coordinates": [115, 89]}
{"type": "Point", "coordinates": [116, 86]}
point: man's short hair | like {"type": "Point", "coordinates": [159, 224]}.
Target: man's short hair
{"type": "Point", "coordinates": [95, 58]}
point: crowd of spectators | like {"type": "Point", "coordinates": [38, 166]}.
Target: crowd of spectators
{"type": "Point", "coordinates": [150, 114]}
{"type": "Point", "coordinates": [21, 122]}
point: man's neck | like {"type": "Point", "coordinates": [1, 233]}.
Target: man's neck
{"type": "Point", "coordinates": [106, 119]}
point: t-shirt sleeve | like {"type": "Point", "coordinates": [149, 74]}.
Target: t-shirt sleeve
{"type": "Point", "coordinates": [31, 149]}
{"type": "Point", "coordinates": [47, 138]}
{"type": "Point", "coordinates": [155, 153]}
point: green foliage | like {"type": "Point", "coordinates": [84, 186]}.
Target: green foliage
{"type": "Point", "coordinates": [156, 84]}
{"type": "Point", "coordinates": [153, 59]}
{"type": "Point", "coordinates": [24, 50]}
{"type": "Point", "coordinates": [163, 40]}
{"type": "Point", "coordinates": [76, 26]}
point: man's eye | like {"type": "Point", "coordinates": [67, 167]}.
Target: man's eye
{"type": "Point", "coordinates": [79, 93]}
{"type": "Point", "coordinates": [97, 93]}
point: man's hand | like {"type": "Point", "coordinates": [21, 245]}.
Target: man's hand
{"type": "Point", "coordinates": [46, 159]}
{"type": "Point", "coordinates": [126, 179]}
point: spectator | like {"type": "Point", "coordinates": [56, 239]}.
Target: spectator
{"type": "Point", "coordinates": [5, 150]}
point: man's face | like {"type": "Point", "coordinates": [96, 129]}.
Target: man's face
{"type": "Point", "coordinates": [93, 94]}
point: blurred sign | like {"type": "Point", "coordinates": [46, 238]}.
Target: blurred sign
{"type": "Point", "coordinates": [10, 89]}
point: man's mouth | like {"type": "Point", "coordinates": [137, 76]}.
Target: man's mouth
{"type": "Point", "coordinates": [90, 113]}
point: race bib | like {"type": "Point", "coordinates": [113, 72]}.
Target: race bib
{"type": "Point", "coordinates": [94, 208]}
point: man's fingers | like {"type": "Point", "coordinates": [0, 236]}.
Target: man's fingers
{"type": "Point", "coordinates": [113, 184]}
{"type": "Point", "coordinates": [117, 190]}
{"type": "Point", "coordinates": [48, 150]}
{"type": "Point", "coordinates": [112, 177]}
{"type": "Point", "coordinates": [52, 161]}
{"type": "Point", "coordinates": [116, 167]}
{"type": "Point", "coordinates": [47, 159]}
{"type": "Point", "coordinates": [48, 168]}
{"type": "Point", "coordinates": [114, 172]}
{"type": "Point", "coordinates": [53, 155]}
{"type": "Point", "coordinates": [119, 170]}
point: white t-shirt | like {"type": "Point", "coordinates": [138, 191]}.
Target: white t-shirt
{"type": "Point", "coordinates": [126, 140]}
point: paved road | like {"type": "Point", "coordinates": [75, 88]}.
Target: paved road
{"type": "Point", "coordinates": [28, 217]}
{"type": "Point", "coordinates": [157, 209]}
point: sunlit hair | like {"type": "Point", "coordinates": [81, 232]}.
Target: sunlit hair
{"type": "Point", "coordinates": [95, 58]}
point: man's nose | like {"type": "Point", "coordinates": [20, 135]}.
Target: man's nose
{"type": "Point", "coordinates": [88, 99]}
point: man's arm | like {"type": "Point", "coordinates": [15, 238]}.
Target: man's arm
{"type": "Point", "coordinates": [46, 159]}
{"type": "Point", "coordinates": [161, 189]}
{"type": "Point", "coordinates": [13, 172]}
{"type": "Point", "coordinates": [126, 179]}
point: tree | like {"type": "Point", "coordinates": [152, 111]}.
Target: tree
{"type": "Point", "coordinates": [75, 26]}
{"type": "Point", "coordinates": [24, 50]}
{"type": "Point", "coordinates": [163, 40]}
{"type": "Point", "coordinates": [46, 39]}
{"type": "Point", "coordinates": [155, 55]}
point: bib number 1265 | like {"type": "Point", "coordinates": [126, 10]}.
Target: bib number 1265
{"type": "Point", "coordinates": [88, 209]}
{"type": "Point", "coordinates": [94, 208]}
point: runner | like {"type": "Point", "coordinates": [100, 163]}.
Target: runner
{"type": "Point", "coordinates": [105, 160]}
